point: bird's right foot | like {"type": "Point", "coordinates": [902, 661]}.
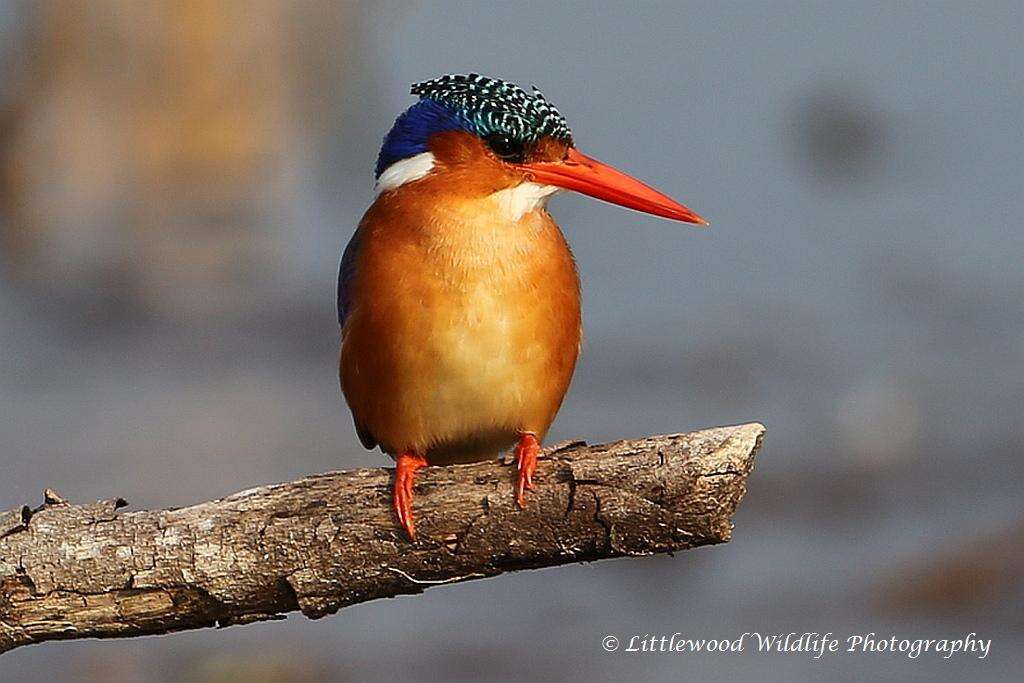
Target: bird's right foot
{"type": "Point", "coordinates": [405, 475]}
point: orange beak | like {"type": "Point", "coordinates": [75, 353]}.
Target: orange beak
{"type": "Point", "coordinates": [580, 173]}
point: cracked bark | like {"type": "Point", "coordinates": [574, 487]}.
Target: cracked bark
{"type": "Point", "coordinates": [327, 541]}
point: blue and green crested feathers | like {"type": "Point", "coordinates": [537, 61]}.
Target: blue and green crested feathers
{"type": "Point", "coordinates": [476, 104]}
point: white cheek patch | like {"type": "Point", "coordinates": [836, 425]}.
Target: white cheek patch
{"type": "Point", "coordinates": [404, 171]}
{"type": "Point", "coordinates": [516, 202]}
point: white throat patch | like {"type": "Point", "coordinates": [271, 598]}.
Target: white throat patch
{"type": "Point", "coordinates": [404, 171]}
{"type": "Point", "coordinates": [516, 202]}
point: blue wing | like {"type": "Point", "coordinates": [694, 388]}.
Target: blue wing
{"type": "Point", "coordinates": [345, 274]}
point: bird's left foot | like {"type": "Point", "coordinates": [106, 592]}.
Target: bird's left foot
{"type": "Point", "coordinates": [526, 462]}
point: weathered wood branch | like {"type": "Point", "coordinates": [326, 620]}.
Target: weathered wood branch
{"type": "Point", "coordinates": [327, 541]}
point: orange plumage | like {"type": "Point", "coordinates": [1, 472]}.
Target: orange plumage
{"type": "Point", "coordinates": [466, 320]}
{"type": "Point", "coordinates": [458, 295]}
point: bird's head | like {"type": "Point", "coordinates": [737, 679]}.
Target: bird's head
{"type": "Point", "coordinates": [485, 135]}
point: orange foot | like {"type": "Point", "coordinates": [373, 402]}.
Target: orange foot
{"type": "Point", "coordinates": [405, 473]}
{"type": "Point", "coordinates": [526, 461]}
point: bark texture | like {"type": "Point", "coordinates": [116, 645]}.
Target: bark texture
{"type": "Point", "coordinates": [330, 540]}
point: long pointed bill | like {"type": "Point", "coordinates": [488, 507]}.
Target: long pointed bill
{"type": "Point", "coordinates": [580, 173]}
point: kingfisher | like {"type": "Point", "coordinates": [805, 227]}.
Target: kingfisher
{"type": "Point", "coordinates": [458, 295]}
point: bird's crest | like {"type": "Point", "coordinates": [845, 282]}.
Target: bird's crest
{"type": "Point", "coordinates": [490, 105]}
{"type": "Point", "coordinates": [476, 104]}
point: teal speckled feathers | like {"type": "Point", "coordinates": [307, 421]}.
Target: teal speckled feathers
{"type": "Point", "coordinates": [491, 105]}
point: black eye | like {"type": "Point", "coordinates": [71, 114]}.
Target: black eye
{"type": "Point", "coordinates": [505, 146]}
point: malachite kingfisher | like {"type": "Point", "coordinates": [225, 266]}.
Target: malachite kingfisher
{"type": "Point", "coordinates": [458, 296]}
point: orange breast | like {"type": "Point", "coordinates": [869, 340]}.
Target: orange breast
{"type": "Point", "coordinates": [464, 329]}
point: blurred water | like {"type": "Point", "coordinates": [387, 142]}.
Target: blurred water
{"type": "Point", "coordinates": [859, 293]}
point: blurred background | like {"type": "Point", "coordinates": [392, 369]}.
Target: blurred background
{"type": "Point", "coordinates": [177, 182]}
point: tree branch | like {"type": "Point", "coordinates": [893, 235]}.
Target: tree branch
{"type": "Point", "coordinates": [327, 541]}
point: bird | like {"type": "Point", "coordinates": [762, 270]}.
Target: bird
{"type": "Point", "coordinates": [458, 295]}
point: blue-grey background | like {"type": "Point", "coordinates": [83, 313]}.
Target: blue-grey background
{"type": "Point", "coordinates": [177, 184]}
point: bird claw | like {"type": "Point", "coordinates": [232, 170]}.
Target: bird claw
{"type": "Point", "coordinates": [526, 464]}
{"type": "Point", "coordinates": [405, 476]}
